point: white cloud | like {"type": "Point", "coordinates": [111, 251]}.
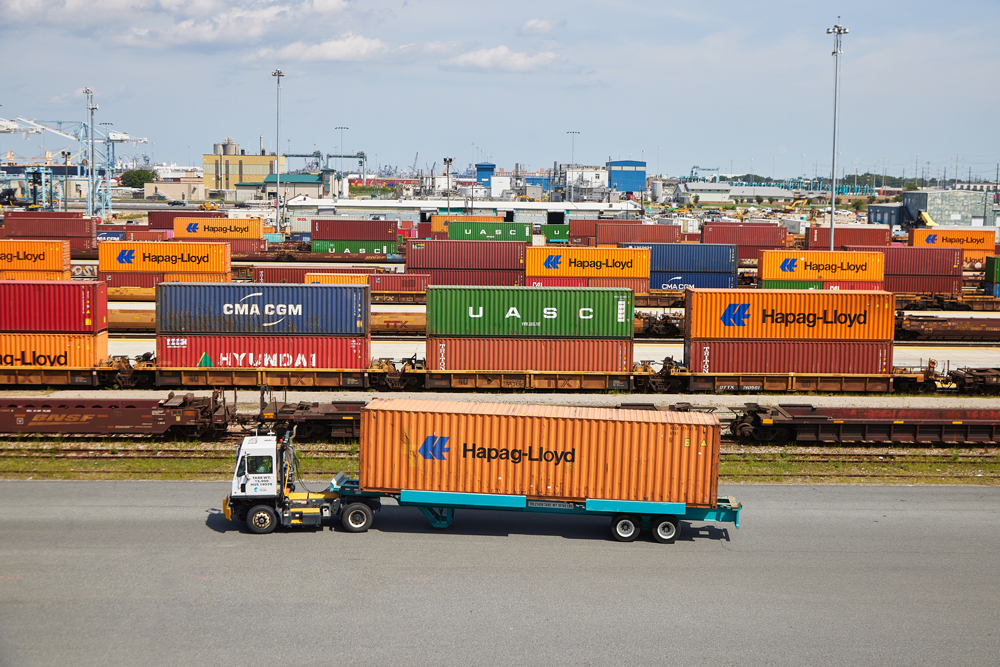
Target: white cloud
{"type": "Point", "coordinates": [502, 59]}
{"type": "Point", "coordinates": [540, 26]}
{"type": "Point", "coordinates": [349, 47]}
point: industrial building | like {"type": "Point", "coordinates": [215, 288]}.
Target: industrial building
{"type": "Point", "coordinates": [951, 207]}
{"type": "Point", "coordinates": [229, 165]}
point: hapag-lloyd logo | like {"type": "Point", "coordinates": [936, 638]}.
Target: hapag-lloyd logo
{"type": "Point", "coordinates": [435, 447]}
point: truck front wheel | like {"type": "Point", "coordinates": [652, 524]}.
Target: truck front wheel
{"type": "Point", "coordinates": [261, 520]}
{"type": "Point", "coordinates": [356, 518]}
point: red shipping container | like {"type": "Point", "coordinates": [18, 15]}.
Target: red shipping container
{"type": "Point", "coordinates": [901, 260]}
{"type": "Point", "coordinates": [122, 228]}
{"type": "Point", "coordinates": [50, 228]}
{"type": "Point", "coordinates": [424, 230]}
{"type": "Point", "coordinates": [154, 235]}
{"type": "Point", "coordinates": [923, 284]}
{"type": "Point", "coordinates": [79, 306]}
{"type": "Point", "coordinates": [236, 246]}
{"type": "Point", "coordinates": [544, 281]}
{"type": "Point", "coordinates": [851, 285]}
{"type": "Point", "coordinates": [147, 280]}
{"type": "Point", "coordinates": [165, 219]}
{"type": "Point", "coordinates": [439, 236]}
{"type": "Point", "coordinates": [465, 255]}
{"type": "Point", "coordinates": [398, 282]}
{"type": "Point", "coordinates": [403, 224]}
{"type": "Point", "coordinates": [637, 285]}
{"type": "Point", "coordinates": [575, 355]}
{"type": "Point", "coordinates": [353, 230]}
{"type": "Point", "coordinates": [762, 356]}
{"type": "Point", "coordinates": [488, 277]}
{"type": "Point", "coordinates": [588, 226]}
{"type": "Point", "coordinates": [618, 233]}
{"type": "Point", "coordinates": [818, 238]}
{"type": "Point", "coordinates": [297, 273]}
{"type": "Point", "coordinates": [694, 237]}
{"type": "Point", "coordinates": [752, 252]}
{"type": "Point", "coordinates": [82, 243]}
{"type": "Point", "coordinates": [43, 214]}
{"type": "Point", "coordinates": [583, 240]}
{"type": "Point", "coordinates": [287, 352]}
{"type": "Point", "coordinates": [761, 236]}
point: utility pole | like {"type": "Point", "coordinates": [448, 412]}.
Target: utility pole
{"type": "Point", "coordinates": [572, 159]}
{"type": "Point", "coordinates": [838, 31]}
{"type": "Point", "coordinates": [91, 107]}
{"type": "Point", "coordinates": [277, 147]}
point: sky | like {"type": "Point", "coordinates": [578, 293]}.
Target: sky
{"type": "Point", "coordinates": [733, 85]}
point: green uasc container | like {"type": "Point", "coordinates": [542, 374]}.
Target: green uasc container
{"type": "Point", "coordinates": [555, 231]}
{"type": "Point", "coordinates": [791, 284]}
{"type": "Point", "coordinates": [489, 231]}
{"type": "Point", "coordinates": [373, 247]}
{"type": "Point", "coordinates": [550, 312]}
{"type": "Point", "coordinates": [992, 270]}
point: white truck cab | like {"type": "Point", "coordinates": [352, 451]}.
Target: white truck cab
{"type": "Point", "coordinates": [256, 474]}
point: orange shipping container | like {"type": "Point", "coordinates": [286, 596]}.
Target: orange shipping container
{"type": "Point", "coordinates": [789, 314]}
{"type": "Point", "coordinates": [197, 277]}
{"type": "Point", "coordinates": [550, 261]}
{"type": "Point", "coordinates": [218, 228]}
{"type": "Point", "coordinates": [966, 239]}
{"type": "Point", "coordinates": [439, 223]}
{"type": "Point", "coordinates": [36, 275]}
{"type": "Point", "coordinates": [18, 255]}
{"type": "Point", "coordinates": [836, 266]}
{"type": "Point", "coordinates": [337, 278]}
{"type": "Point", "coordinates": [540, 451]}
{"type": "Point", "coordinates": [163, 257]}
{"type": "Point", "coordinates": [52, 350]}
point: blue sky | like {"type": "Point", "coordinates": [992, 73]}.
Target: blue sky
{"type": "Point", "coordinates": [676, 84]}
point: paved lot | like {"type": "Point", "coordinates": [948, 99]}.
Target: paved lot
{"type": "Point", "coordinates": [149, 573]}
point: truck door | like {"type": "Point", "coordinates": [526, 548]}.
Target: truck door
{"type": "Point", "coordinates": [261, 479]}
{"type": "Point", "coordinates": [240, 478]}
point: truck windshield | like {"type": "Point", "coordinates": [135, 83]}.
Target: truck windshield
{"type": "Point", "coordinates": [260, 465]}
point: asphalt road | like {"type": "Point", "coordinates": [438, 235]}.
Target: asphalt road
{"type": "Point", "coordinates": [124, 573]}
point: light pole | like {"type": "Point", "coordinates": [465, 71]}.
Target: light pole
{"type": "Point", "coordinates": [572, 158]}
{"type": "Point", "coordinates": [91, 107]}
{"type": "Point", "coordinates": [838, 31]}
{"type": "Point", "coordinates": [447, 172]}
{"type": "Point", "coordinates": [277, 74]}
{"type": "Point", "coordinates": [341, 128]}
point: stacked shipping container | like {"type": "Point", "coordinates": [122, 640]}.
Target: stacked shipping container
{"type": "Point", "coordinates": [164, 220]}
{"type": "Point", "coordinates": [583, 231]}
{"type": "Point", "coordinates": [749, 238]}
{"type": "Point", "coordinates": [79, 231]}
{"type": "Point", "coordinates": [919, 270]}
{"type": "Point", "coordinates": [818, 238]}
{"type": "Point", "coordinates": [498, 263]}
{"type": "Point", "coordinates": [677, 266]}
{"type": "Point", "coordinates": [145, 263]}
{"type": "Point", "coordinates": [991, 280]}
{"type": "Point", "coordinates": [377, 282]}
{"type": "Point", "coordinates": [820, 269]}
{"type": "Point", "coordinates": [601, 267]}
{"type": "Point", "coordinates": [21, 259]}
{"type": "Point", "coordinates": [976, 244]}
{"type": "Point", "coordinates": [343, 236]}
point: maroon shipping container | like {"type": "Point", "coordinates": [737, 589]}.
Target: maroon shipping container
{"type": "Point", "coordinates": [545, 281]}
{"type": "Point", "coordinates": [154, 235]}
{"type": "Point", "coordinates": [147, 280]}
{"type": "Point", "coordinates": [488, 277]}
{"type": "Point", "coordinates": [165, 219]}
{"type": "Point", "coordinates": [818, 238]}
{"type": "Point", "coordinates": [236, 246]}
{"type": "Point", "coordinates": [79, 306]}
{"type": "Point", "coordinates": [50, 228]}
{"type": "Point", "coordinates": [354, 230]}
{"type": "Point", "coordinates": [287, 352]}
{"type": "Point", "coordinates": [753, 252]}
{"type": "Point", "coordinates": [10, 215]}
{"type": "Point", "coordinates": [297, 273]}
{"type": "Point", "coordinates": [399, 282]}
{"type": "Point", "coordinates": [82, 243]}
{"type": "Point", "coordinates": [424, 230]}
{"type": "Point", "coordinates": [923, 284]}
{"type": "Point", "coordinates": [588, 226]}
{"type": "Point", "coordinates": [761, 236]}
{"type": "Point", "coordinates": [901, 260]}
{"type": "Point", "coordinates": [694, 237]}
{"type": "Point", "coordinates": [127, 227]}
{"type": "Point", "coordinates": [764, 356]}
{"type": "Point", "coordinates": [637, 285]}
{"type": "Point", "coordinates": [573, 355]}
{"type": "Point", "coordinates": [465, 255]}
{"type": "Point", "coordinates": [439, 236]}
{"type": "Point", "coordinates": [618, 233]}
{"type": "Point", "coordinates": [583, 240]}
{"type": "Point", "coordinates": [848, 285]}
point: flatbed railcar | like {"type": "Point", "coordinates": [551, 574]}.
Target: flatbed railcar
{"type": "Point", "coordinates": [927, 327]}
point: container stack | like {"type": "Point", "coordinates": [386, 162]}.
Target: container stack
{"type": "Point", "coordinates": [976, 244]}
{"type": "Point", "coordinates": [164, 220]}
{"type": "Point", "coordinates": [80, 231]}
{"type": "Point", "coordinates": [377, 282]}
{"type": "Point", "coordinates": [991, 282]}
{"type": "Point", "coordinates": [600, 267]}
{"type": "Point", "coordinates": [263, 326]}
{"type": "Point", "coordinates": [789, 331]}
{"type": "Point", "coordinates": [461, 230]}
{"type": "Point", "coordinates": [145, 264]}
{"type": "Point", "coordinates": [297, 273]}
{"type": "Point", "coordinates": [613, 233]}
{"type": "Point", "coordinates": [22, 259]}
{"type": "Point", "coordinates": [243, 235]}
{"type": "Point", "coordinates": [920, 270]}
{"type": "Point", "coordinates": [678, 266]}
{"type": "Point", "coordinates": [517, 329]}
{"type": "Point", "coordinates": [50, 324]}
{"type": "Point", "coordinates": [439, 223]}
{"type": "Point", "coordinates": [339, 236]}
{"type": "Point", "coordinates": [818, 238]}
{"type": "Point", "coordinates": [820, 270]}
{"type": "Point", "coordinates": [583, 231]}
{"type": "Point", "coordinates": [557, 234]}
{"type": "Point", "coordinates": [749, 238]}
{"type": "Point", "coordinates": [499, 263]}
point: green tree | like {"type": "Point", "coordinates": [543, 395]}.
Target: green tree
{"type": "Point", "coordinates": [759, 199]}
{"type": "Point", "coordinates": [857, 204]}
{"type": "Point", "coordinates": [697, 198]}
{"type": "Point", "coordinates": [138, 178]}
{"type": "Point", "coordinates": [910, 187]}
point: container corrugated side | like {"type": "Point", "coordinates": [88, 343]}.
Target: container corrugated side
{"type": "Point", "coordinates": [820, 265]}
{"type": "Point", "coordinates": [588, 262]}
{"type": "Point", "coordinates": [153, 257]}
{"type": "Point", "coordinates": [51, 215]}
{"type": "Point", "coordinates": [761, 236]}
{"type": "Point", "coordinates": [612, 232]}
{"type": "Point", "coordinates": [203, 229]}
{"type": "Point", "coordinates": [439, 223]}
{"type": "Point", "coordinates": [337, 278]}
{"type": "Point", "coordinates": [756, 356]}
{"type": "Point", "coordinates": [917, 260]}
{"type": "Point", "coordinates": [152, 235]}
{"type": "Point", "coordinates": [79, 306]}
{"type": "Point", "coordinates": [590, 312]}
{"type": "Point", "coordinates": [873, 235]}
{"type": "Point", "coordinates": [355, 247]}
{"type": "Point", "coordinates": [588, 226]}
{"type": "Point", "coordinates": [290, 352]}
{"type": "Point", "coordinates": [923, 284]}
{"type": "Point", "coordinates": [60, 228]}
{"type": "Point", "coordinates": [992, 289]}
{"type": "Point", "coordinates": [689, 258]}
{"type": "Point", "coordinates": [38, 350]}
{"type": "Point", "coordinates": [577, 355]}
{"type": "Point", "coordinates": [992, 270]}
{"type": "Point", "coordinates": [542, 281]}
{"type": "Point", "coordinates": [353, 230]}
{"type": "Point", "coordinates": [489, 231]}
{"type": "Point", "coordinates": [789, 315]}
{"type": "Point", "coordinates": [399, 282]}
{"type": "Point", "coordinates": [36, 275]}
{"type": "Point", "coordinates": [143, 280]}
{"type": "Point", "coordinates": [486, 278]}
{"type": "Point", "coordinates": [262, 309]}
{"type": "Point", "coordinates": [465, 255]}
{"type": "Point", "coordinates": [165, 219]}
{"type": "Point", "coordinates": [966, 239]}
{"type": "Point", "coordinates": [297, 274]}
{"type": "Point", "coordinates": [677, 280]}
{"type": "Point", "coordinates": [34, 255]}
{"type": "Point", "coordinates": [637, 285]}
{"type": "Point", "coordinates": [790, 284]}
{"type": "Point", "coordinates": [197, 278]}
{"type": "Point", "coordinates": [852, 285]}
{"type": "Point", "coordinates": [553, 452]}
{"type": "Point", "coordinates": [552, 232]}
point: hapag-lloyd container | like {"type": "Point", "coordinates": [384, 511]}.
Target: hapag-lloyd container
{"type": "Point", "coordinates": [24, 255]}
{"type": "Point", "coordinates": [760, 356]}
{"type": "Point", "coordinates": [983, 240]}
{"type": "Point", "coordinates": [79, 306]}
{"type": "Point", "coordinates": [700, 258]}
{"type": "Point", "coordinates": [337, 278]}
{"type": "Point", "coordinates": [544, 452]}
{"type": "Point", "coordinates": [336, 229]}
{"type": "Point", "coordinates": [822, 265]}
{"type": "Point", "coordinates": [682, 280]}
{"type": "Point", "coordinates": [762, 236]}
{"type": "Point", "coordinates": [291, 352]}
{"type": "Point", "coordinates": [465, 255]}
{"type": "Point", "coordinates": [542, 281]}
{"type": "Point", "coordinates": [613, 232]}
{"type": "Point", "coordinates": [60, 228]}
{"type": "Point", "coordinates": [262, 309]}
{"type": "Point", "coordinates": [588, 226]}
{"type": "Point", "coordinates": [789, 315]}
{"type": "Point", "coordinates": [153, 257]}
{"type": "Point", "coordinates": [923, 284]}
{"type": "Point", "coordinates": [485, 278]}
{"type": "Point", "coordinates": [165, 219]}
{"type": "Point", "coordinates": [203, 229]}
{"type": "Point", "coordinates": [40, 350]}
{"type": "Point", "coordinates": [901, 260]}
{"type": "Point", "coordinates": [818, 238]}
{"type": "Point", "coordinates": [576, 355]}
{"type": "Point", "coordinates": [461, 230]}
{"type": "Point", "coordinates": [36, 275]}
{"type": "Point", "coordinates": [297, 274]}
{"type": "Point", "coordinates": [439, 223]}
{"type": "Point", "coordinates": [399, 282]}
{"type": "Point", "coordinates": [588, 262]}
{"type": "Point", "coordinates": [591, 312]}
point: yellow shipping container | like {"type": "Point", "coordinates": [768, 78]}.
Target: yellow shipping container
{"type": "Point", "coordinates": [197, 277]}
{"type": "Point", "coordinates": [36, 275]}
{"type": "Point", "coordinates": [821, 265]}
{"type": "Point", "coordinates": [163, 257]}
{"type": "Point", "coordinates": [982, 240]}
{"type": "Point", "coordinates": [337, 278]}
{"type": "Point", "coordinates": [52, 350]}
{"type": "Point", "coordinates": [18, 255]}
{"type": "Point", "coordinates": [439, 223]}
{"type": "Point", "coordinates": [584, 262]}
{"type": "Point", "coordinates": [268, 229]}
{"type": "Point", "coordinates": [789, 315]}
{"type": "Point", "coordinates": [218, 228]}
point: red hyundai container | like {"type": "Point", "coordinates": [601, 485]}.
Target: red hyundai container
{"type": "Point", "coordinates": [901, 260]}
{"type": "Point", "coordinates": [297, 273]}
{"type": "Point", "coordinates": [353, 230]}
{"type": "Point", "coordinates": [165, 219]}
{"type": "Point", "coordinates": [399, 282]}
{"type": "Point", "coordinates": [818, 238]}
{"type": "Point", "coordinates": [923, 284]}
{"type": "Point", "coordinates": [619, 233]}
{"type": "Point", "coordinates": [575, 355]}
{"type": "Point", "coordinates": [488, 277]}
{"type": "Point", "coordinates": [637, 285]}
{"type": "Point", "coordinates": [465, 255]}
{"type": "Point", "coordinates": [147, 280]}
{"type": "Point", "coordinates": [764, 356]}
{"type": "Point", "coordinates": [545, 281]}
{"type": "Point", "coordinates": [851, 285]}
{"type": "Point", "coordinates": [287, 352]}
{"type": "Point", "coordinates": [44, 228]}
{"type": "Point", "coordinates": [79, 306]}
{"type": "Point", "coordinates": [762, 236]}
{"type": "Point", "coordinates": [588, 226]}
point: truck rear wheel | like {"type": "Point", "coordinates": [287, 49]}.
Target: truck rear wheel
{"type": "Point", "coordinates": [261, 520]}
{"type": "Point", "coordinates": [625, 527]}
{"type": "Point", "coordinates": [665, 529]}
{"type": "Point", "coordinates": [356, 518]}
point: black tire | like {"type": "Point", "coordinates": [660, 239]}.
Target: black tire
{"type": "Point", "coordinates": [356, 518]}
{"type": "Point", "coordinates": [625, 527]}
{"type": "Point", "coordinates": [665, 529]}
{"type": "Point", "coordinates": [262, 520]}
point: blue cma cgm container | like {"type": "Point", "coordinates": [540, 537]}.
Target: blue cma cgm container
{"type": "Point", "coordinates": [689, 257]}
{"type": "Point", "coordinates": [110, 236]}
{"type": "Point", "coordinates": [262, 309]}
{"type": "Point", "coordinates": [676, 280]}
{"type": "Point", "coordinates": [992, 289]}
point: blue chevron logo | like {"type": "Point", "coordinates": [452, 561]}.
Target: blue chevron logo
{"type": "Point", "coordinates": [126, 256]}
{"type": "Point", "coordinates": [434, 448]}
{"type": "Point", "coordinates": [736, 315]}
{"type": "Point", "coordinates": [192, 228]}
{"type": "Point", "coordinates": [932, 238]}
{"type": "Point", "coordinates": [788, 265]}
{"type": "Point", "coordinates": [552, 261]}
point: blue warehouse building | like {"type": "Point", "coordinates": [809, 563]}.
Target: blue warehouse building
{"type": "Point", "coordinates": [484, 172]}
{"type": "Point", "coordinates": [626, 175]}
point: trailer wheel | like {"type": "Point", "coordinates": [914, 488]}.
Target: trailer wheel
{"type": "Point", "coordinates": [356, 518]}
{"type": "Point", "coordinates": [665, 529]}
{"type": "Point", "coordinates": [261, 520]}
{"type": "Point", "coordinates": [625, 527]}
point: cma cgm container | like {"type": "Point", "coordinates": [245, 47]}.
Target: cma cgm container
{"type": "Point", "coordinates": [22, 255]}
{"type": "Point", "coordinates": [356, 247]}
{"type": "Point", "coordinates": [337, 278]}
{"type": "Point", "coordinates": [277, 310]}
{"type": "Point", "coordinates": [588, 262]}
{"type": "Point", "coordinates": [874, 235]}
{"type": "Point", "coordinates": [761, 356]}
{"type": "Point", "coordinates": [789, 315]}
{"type": "Point", "coordinates": [613, 232]}
{"type": "Point", "coordinates": [917, 261]}
{"type": "Point", "coordinates": [576, 355]}
{"type": "Point", "coordinates": [291, 352]}
{"type": "Point", "coordinates": [588, 226]}
{"type": "Point", "coordinates": [337, 229]}
{"type": "Point", "coordinates": [65, 307]}
{"type": "Point", "coordinates": [675, 280]}
{"type": "Point", "coordinates": [761, 236]}
{"type": "Point", "coordinates": [497, 278]}
{"type": "Point", "coordinates": [297, 274]}
{"type": "Point", "coordinates": [540, 451]}
{"type": "Point", "coordinates": [202, 229]}
{"type": "Point", "coordinates": [39, 350]}
{"type": "Point", "coordinates": [966, 239]}
{"type": "Point", "coordinates": [36, 275]}
{"type": "Point", "coordinates": [60, 228]}
{"type": "Point", "coordinates": [489, 231]}
{"type": "Point", "coordinates": [110, 236]}
{"type": "Point", "coordinates": [165, 219]}
{"type": "Point", "coordinates": [439, 223]}
{"type": "Point", "coordinates": [539, 312]}
{"type": "Point", "coordinates": [151, 257]}
{"type": "Point", "coordinates": [399, 282]}
{"type": "Point", "coordinates": [822, 265]}
{"type": "Point", "coordinates": [701, 258]}
{"type": "Point", "coordinates": [465, 255]}
{"type": "Point", "coordinates": [923, 284]}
